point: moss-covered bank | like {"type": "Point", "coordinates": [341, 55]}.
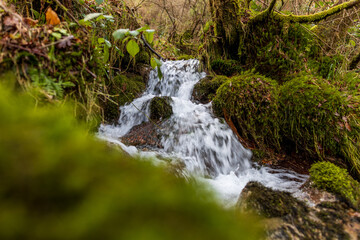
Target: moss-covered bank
{"type": "Point", "coordinates": [320, 120]}
{"type": "Point", "coordinates": [306, 115]}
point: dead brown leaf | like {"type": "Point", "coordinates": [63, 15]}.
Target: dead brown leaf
{"type": "Point", "coordinates": [51, 17]}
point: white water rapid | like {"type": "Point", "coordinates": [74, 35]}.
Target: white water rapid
{"type": "Point", "coordinates": [206, 145]}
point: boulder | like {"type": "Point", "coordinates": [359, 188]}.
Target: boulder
{"type": "Point", "coordinates": [289, 218]}
{"type": "Point", "coordinates": [160, 108]}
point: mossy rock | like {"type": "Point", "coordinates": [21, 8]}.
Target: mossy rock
{"type": "Point", "coordinates": [329, 177]}
{"type": "Point", "coordinates": [60, 183]}
{"type": "Point", "coordinates": [160, 108]}
{"type": "Point", "coordinates": [320, 120]}
{"type": "Point", "coordinates": [226, 67]}
{"type": "Point", "coordinates": [269, 203]}
{"type": "Point", "coordinates": [122, 89]}
{"type": "Point", "coordinates": [205, 90]}
{"type": "Point", "coordinates": [289, 218]}
{"type": "Point", "coordinates": [250, 101]}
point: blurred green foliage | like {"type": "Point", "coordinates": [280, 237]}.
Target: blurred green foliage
{"type": "Point", "coordinates": [59, 183]}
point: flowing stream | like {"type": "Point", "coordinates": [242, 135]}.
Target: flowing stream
{"type": "Point", "coordinates": [206, 145]}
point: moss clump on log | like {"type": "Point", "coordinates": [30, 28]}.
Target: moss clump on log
{"type": "Point", "coordinates": [122, 89]}
{"type": "Point", "coordinates": [329, 177]}
{"type": "Point", "coordinates": [250, 101]}
{"type": "Point", "coordinates": [160, 108]}
{"type": "Point", "coordinates": [320, 120]}
{"type": "Point", "coordinates": [205, 90]}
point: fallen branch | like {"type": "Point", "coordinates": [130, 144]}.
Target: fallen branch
{"type": "Point", "coordinates": [316, 17]}
{"type": "Point", "coordinates": [151, 49]}
{"type": "Point", "coordinates": [32, 51]}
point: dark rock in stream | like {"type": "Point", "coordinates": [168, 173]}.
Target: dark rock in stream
{"type": "Point", "coordinates": [286, 217]}
{"type": "Point", "coordinates": [148, 134]}
{"type": "Point", "coordinates": [145, 135]}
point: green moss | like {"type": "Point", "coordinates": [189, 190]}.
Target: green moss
{"type": "Point", "coordinates": [329, 177]}
{"type": "Point", "coordinates": [327, 67]}
{"type": "Point", "coordinates": [123, 89]}
{"type": "Point", "coordinates": [250, 100]}
{"type": "Point", "coordinates": [205, 90]}
{"type": "Point", "coordinates": [226, 67]}
{"type": "Point", "coordinates": [59, 183]}
{"type": "Point", "coordinates": [320, 120]}
{"type": "Point", "coordinates": [160, 108]}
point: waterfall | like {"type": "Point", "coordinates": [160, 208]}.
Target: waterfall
{"type": "Point", "coordinates": [206, 145]}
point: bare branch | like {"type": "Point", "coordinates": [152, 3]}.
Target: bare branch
{"type": "Point", "coordinates": [316, 17]}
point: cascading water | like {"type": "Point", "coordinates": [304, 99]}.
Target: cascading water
{"type": "Point", "coordinates": [207, 147]}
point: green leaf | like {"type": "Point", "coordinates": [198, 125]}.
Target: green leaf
{"type": "Point", "coordinates": [36, 13]}
{"type": "Point", "coordinates": [160, 74]}
{"type": "Point", "coordinates": [106, 53]}
{"type": "Point", "coordinates": [67, 84]}
{"type": "Point", "coordinates": [56, 35]}
{"type": "Point", "coordinates": [120, 34]}
{"type": "Point", "coordinates": [133, 48]}
{"type": "Point", "coordinates": [92, 16]}
{"type": "Point", "coordinates": [108, 44]}
{"type": "Point", "coordinates": [153, 63]}
{"type": "Point", "coordinates": [142, 28]}
{"type": "Point", "coordinates": [352, 42]}
{"type": "Point", "coordinates": [149, 35]}
{"type": "Point", "coordinates": [101, 40]}
{"type": "Point", "coordinates": [134, 33]}
{"type": "Point", "coordinates": [108, 17]}
{"type": "Point", "coordinates": [158, 62]}
{"type": "Point", "coordinates": [98, 2]}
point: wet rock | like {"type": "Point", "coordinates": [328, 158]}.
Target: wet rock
{"type": "Point", "coordinates": [270, 203]}
{"type": "Point", "coordinates": [289, 218]}
{"type": "Point", "coordinates": [160, 108]}
{"type": "Point", "coordinates": [144, 135]}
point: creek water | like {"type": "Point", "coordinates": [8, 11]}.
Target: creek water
{"type": "Point", "coordinates": [206, 146]}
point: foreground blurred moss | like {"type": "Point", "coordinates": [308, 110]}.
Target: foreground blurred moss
{"type": "Point", "coordinates": [59, 183]}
